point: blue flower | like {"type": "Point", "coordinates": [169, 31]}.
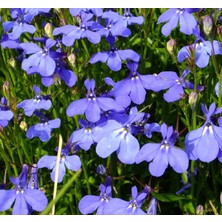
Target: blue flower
{"type": "Point", "coordinates": [25, 199]}
{"type": "Point", "coordinates": [164, 153]}
{"type": "Point", "coordinates": [149, 128]}
{"type": "Point", "coordinates": [170, 80]}
{"type": "Point", "coordinates": [5, 113]}
{"type": "Point", "coordinates": [89, 203]}
{"type": "Point", "coordinates": [92, 106]}
{"type": "Point", "coordinates": [152, 207]}
{"type": "Point", "coordinates": [43, 59]}
{"type": "Point", "coordinates": [173, 16]}
{"type": "Point", "coordinates": [114, 56]}
{"type": "Point", "coordinates": [114, 136]}
{"type": "Point", "coordinates": [72, 162]}
{"type": "Point", "coordinates": [118, 206]}
{"type": "Point", "coordinates": [204, 143]}
{"type": "Point", "coordinates": [83, 137]}
{"type": "Point", "coordinates": [134, 85]}
{"type": "Point", "coordinates": [43, 129]}
{"type": "Point", "coordinates": [39, 102]}
{"type": "Point", "coordinates": [20, 25]}
{"type": "Point", "coordinates": [71, 32]}
{"type": "Point", "coordinates": [201, 50]}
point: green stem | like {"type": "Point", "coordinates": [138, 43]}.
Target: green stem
{"type": "Point", "coordinates": [86, 177]}
{"type": "Point", "coordinates": [61, 193]}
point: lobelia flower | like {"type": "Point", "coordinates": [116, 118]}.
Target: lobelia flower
{"type": "Point", "coordinates": [164, 153]}
{"type": "Point", "coordinates": [201, 50]}
{"type": "Point", "coordinates": [43, 129]}
{"type": "Point", "coordinates": [152, 207]}
{"type": "Point", "coordinates": [25, 199]}
{"type": "Point", "coordinates": [134, 85]}
{"type": "Point", "coordinates": [149, 128]}
{"type": "Point", "coordinates": [91, 106]}
{"type": "Point", "coordinates": [118, 206]}
{"type": "Point", "coordinates": [126, 19]}
{"type": "Point", "coordinates": [90, 203]}
{"type": "Point", "coordinates": [123, 100]}
{"type": "Point", "coordinates": [173, 16]}
{"type": "Point", "coordinates": [39, 102]}
{"type": "Point", "coordinates": [6, 42]}
{"type": "Point", "coordinates": [114, 56]}
{"type": "Point", "coordinates": [72, 162]}
{"type": "Point", "coordinates": [205, 142]}
{"type": "Point", "coordinates": [95, 11]}
{"type": "Point", "coordinates": [116, 136]}
{"type": "Point", "coordinates": [71, 32]}
{"type": "Point", "coordinates": [170, 80]}
{"type": "Point", "coordinates": [83, 137]}
{"type": "Point", "coordinates": [43, 59]}
{"type": "Point", "coordinates": [5, 113]}
{"type": "Point", "coordinates": [20, 25]}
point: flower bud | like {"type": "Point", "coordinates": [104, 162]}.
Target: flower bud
{"type": "Point", "coordinates": [219, 32]}
{"type": "Point", "coordinates": [72, 58]}
{"type": "Point", "coordinates": [48, 29]}
{"type": "Point", "coordinates": [12, 62]}
{"type": "Point", "coordinates": [23, 125]}
{"type": "Point", "coordinates": [193, 97]}
{"type": "Point", "coordinates": [5, 88]}
{"type": "Point", "coordinates": [171, 44]}
{"type": "Point", "coordinates": [207, 24]}
{"type": "Point", "coordinates": [221, 198]}
{"type": "Point", "coordinates": [101, 169]}
{"type": "Point", "coordinates": [200, 210]}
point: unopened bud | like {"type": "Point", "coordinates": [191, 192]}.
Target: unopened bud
{"type": "Point", "coordinates": [23, 125]}
{"type": "Point", "coordinates": [221, 198]}
{"type": "Point", "coordinates": [219, 32]}
{"type": "Point", "coordinates": [171, 44]}
{"type": "Point", "coordinates": [72, 58]}
{"type": "Point", "coordinates": [193, 97]}
{"type": "Point", "coordinates": [48, 29]}
{"type": "Point", "coordinates": [207, 24]}
{"type": "Point", "coordinates": [12, 62]}
{"type": "Point", "coordinates": [5, 88]}
{"type": "Point", "coordinates": [101, 169]}
{"type": "Point", "coordinates": [200, 210]}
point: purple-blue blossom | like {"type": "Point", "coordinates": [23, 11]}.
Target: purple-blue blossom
{"type": "Point", "coordinates": [71, 33]}
{"type": "Point", "coordinates": [43, 129]}
{"type": "Point", "coordinates": [117, 206]}
{"type": "Point", "coordinates": [42, 58]}
{"type": "Point", "coordinates": [37, 103]}
{"type": "Point", "coordinates": [163, 154]}
{"type": "Point", "coordinates": [173, 16]}
{"type": "Point", "coordinates": [5, 113]}
{"type": "Point", "coordinates": [92, 106]}
{"type": "Point", "coordinates": [205, 142]}
{"type": "Point", "coordinates": [25, 198]}
{"type": "Point", "coordinates": [116, 136]}
{"type": "Point", "coordinates": [114, 56]}
{"type": "Point", "coordinates": [90, 203]}
{"type": "Point", "coordinates": [152, 207]}
{"type": "Point", "coordinates": [71, 162]}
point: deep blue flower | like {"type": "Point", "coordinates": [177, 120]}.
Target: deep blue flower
{"type": "Point", "coordinates": [43, 59]}
{"type": "Point", "coordinates": [118, 206]}
{"type": "Point", "coordinates": [170, 80]}
{"type": "Point", "coordinates": [92, 105]}
{"type": "Point", "coordinates": [25, 199]}
{"type": "Point", "coordinates": [116, 136]}
{"type": "Point", "coordinates": [5, 113]}
{"type": "Point", "coordinates": [71, 32]}
{"type": "Point", "coordinates": [152, 207]}
{"type": "Point", "coordinates": [114, 56]}
{"type": "Point", "coordinates": [84, 137]}
{"type": "Point", "coordinates": [173, 16]}
{"type": "Point", "coordinates": [201, 50]}
{"type": "Point", "coordinates": [20, 25]}
{"type": "Point", "coordinates": [6, 42]}
{"type": "Point", "coordinates": [72, 162]}
{"type": "Point", "coordinates": [39, 102]}
{"type": "Point", "coordinates": [164, 153]}
{"type": "Point", "coordinates": [149, 128]}
{"type": "Point", "coordinates": [134, 85]}
{"type": "Point", "coordinates": [43, 129]}
{"type": "Point", "coordinates": [89, 203]}
{"type": "Point", "coordinates": [123, 100]}
{"type": "Point", "coordinates": [204, 143]}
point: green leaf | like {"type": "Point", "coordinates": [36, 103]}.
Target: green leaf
{"type": "Point", "coordinates": [167, 197]}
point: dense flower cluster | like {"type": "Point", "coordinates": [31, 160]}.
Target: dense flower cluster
{"type": "Point", "coordinates": [112, 121]}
